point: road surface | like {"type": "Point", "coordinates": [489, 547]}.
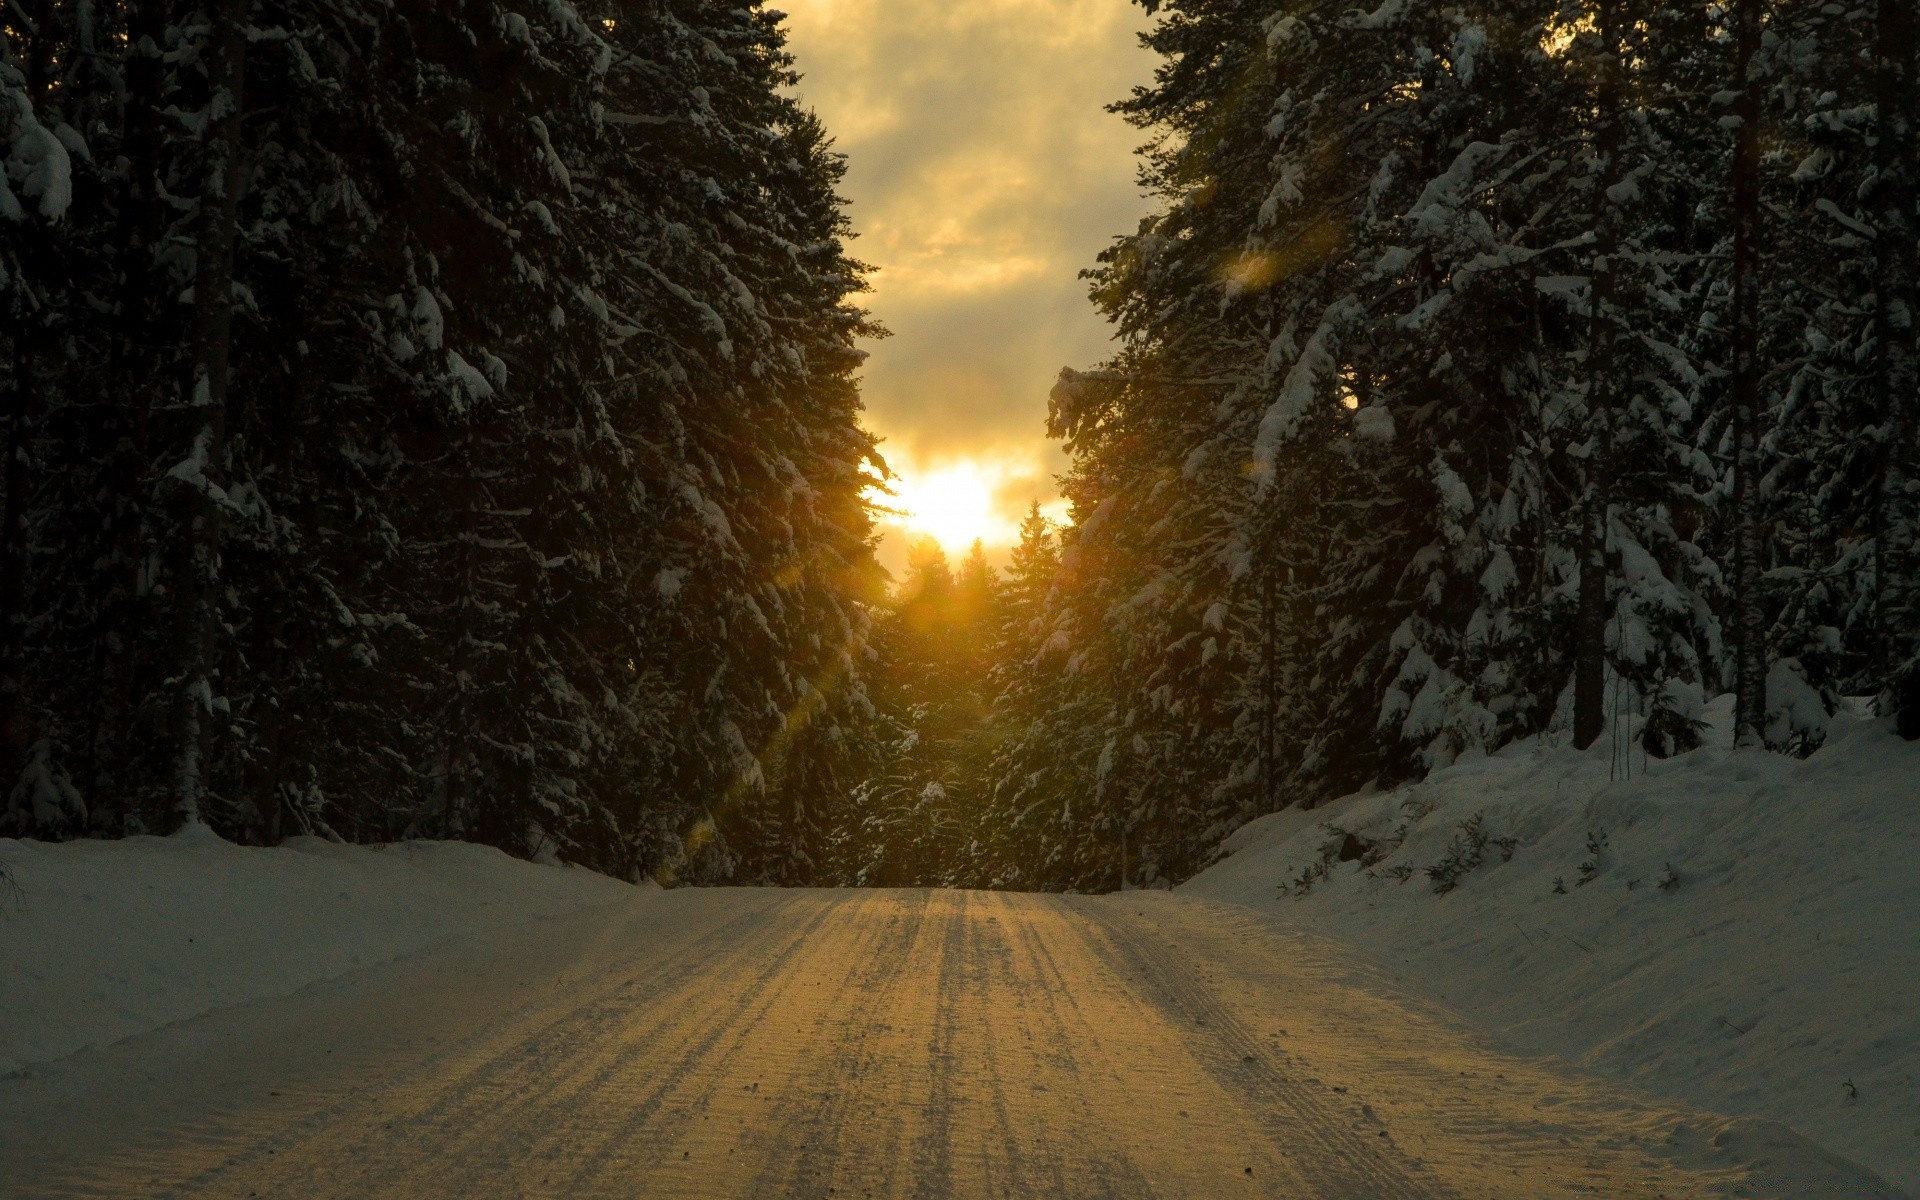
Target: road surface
{"type": "Point", "coordinates": [908, 1044]}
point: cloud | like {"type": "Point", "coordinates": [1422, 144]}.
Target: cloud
{"type": "Point", "coordinates": [984, 174]}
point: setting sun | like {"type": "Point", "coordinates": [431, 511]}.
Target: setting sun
{"type": "Point", "coordinates": [954, 505]}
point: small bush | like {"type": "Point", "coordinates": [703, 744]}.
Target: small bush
{"type": "Point", "coordinates": [1596, 857]}
{"type": "Point", "coordinates": [1313, 873]}
{"type": "Point", "coordinates": [1466, 852]}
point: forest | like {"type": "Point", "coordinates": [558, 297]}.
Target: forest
{"type": "Point", "coordinates": [441, 419]}
{"type": "Point", "coordinates": [433, 420]}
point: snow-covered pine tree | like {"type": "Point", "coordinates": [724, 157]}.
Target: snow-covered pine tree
{"type": "Point", "coordinates": [540, 491]}
{"type": "Point", "coordinates": [1895, 197]}
{"type": "Point", "coordinates": [1823, 491]}
{"type": "Point", "coordinates": [919, 819]}
{"type": "Point", "coordinates": [1329, 497]}
{"type": "Point", "coordinates": [39, 267]}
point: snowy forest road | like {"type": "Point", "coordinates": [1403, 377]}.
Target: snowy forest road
{"type": "Point", "coordinates": [773, 1044]}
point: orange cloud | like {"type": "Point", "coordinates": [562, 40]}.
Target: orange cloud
{"type": "Point", "coordinates": [984, 174]}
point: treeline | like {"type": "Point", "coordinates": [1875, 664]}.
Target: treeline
{"type": "Point", "coordinates": [948, 649]}
{"type": "Point", "coordinates": [1491, 369]}
{"type": "Point", "coordinates": [439, 419]}
{"type": "Point", "coordinates": [429, 418]}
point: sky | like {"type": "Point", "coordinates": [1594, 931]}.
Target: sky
{"type": "Point", "coordinates": [983, 175]}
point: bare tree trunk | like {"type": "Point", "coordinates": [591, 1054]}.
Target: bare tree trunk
{"type": "Point", "coordinates": [201, 496]}
{"type": "Point", "coordinates": [1269, 692]}
{"type": "Point", "coordinates": [1749, 623]}
{"type": "Point", "coordinates": [1590, 622]}
{"type": "Point", "coordinates": [1895, 183]}
{"type": "Point", "coordinates": [23, 407]}
{"type": "Point", "coordinates": [119, 668]}
{"type": "Point", "coordinates": [456, 817]}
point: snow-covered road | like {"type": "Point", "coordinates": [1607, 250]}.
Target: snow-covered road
{"type": "Point", "coordinates": [769, 1044]}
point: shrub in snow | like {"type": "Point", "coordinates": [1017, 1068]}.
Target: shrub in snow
{"type": "Point", "coordinates": [1466, 852]}
{"type": "Point", "coordinates": [44, 797]}
{"type": "Point", "coordinates": [1797, 714]}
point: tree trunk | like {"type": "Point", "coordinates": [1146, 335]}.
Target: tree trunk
{"type": "Point", "coordinates": [29, 327]}
{"type": "Point", "coordinates": [201, 497]}
{"type": "Point", "coordinates": [1590, 628]}
{"type": "Point", "coordinates": [1269, 692]}
{"type": "Point", "coordinates": [121, 667]}
{"type": "Point", "coordinates": [1898, 575]}
{"type": "Point", "coordinates": [22, 407]}
{"type": "Point", "coordinates": [456, 817]}
{"type": "Point", "coordinates": [1749, 623]}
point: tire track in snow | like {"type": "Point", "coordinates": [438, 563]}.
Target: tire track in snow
{"type": "Point", "coordinates": [643, 1142]}
{"type": "Point", "coordinates": [1043, 1170]}
{"type": "Point", "coordinates": [804, 1147]}
{"type": "Point", "coordinates": [529, 1081]}
{"type": "Point", "coordinates": [905, 1045]}
{"type": "Point", "coordinates": [1066, 1026]}
{"type": "Point", "coordinates": [1346, 1165]}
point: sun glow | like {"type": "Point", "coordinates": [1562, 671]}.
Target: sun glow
{"type": "Point", "coordinates": [954, 505]}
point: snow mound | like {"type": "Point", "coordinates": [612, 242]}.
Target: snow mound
{"type": "Point", "coordinates": [1735, 929]}
{"type": "Point", "coordinates": [105, 940]}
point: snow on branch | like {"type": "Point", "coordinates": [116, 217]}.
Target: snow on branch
{"type": "Point", "coordinates": [1301, 387]}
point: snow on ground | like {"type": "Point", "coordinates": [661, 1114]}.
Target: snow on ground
{"type": "Point", "coordinates": [104, 940]}
{"type": "Point", "coordinates": [1736, 929]}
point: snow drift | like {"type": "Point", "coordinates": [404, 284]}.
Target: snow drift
{"type": "Point", "coordinates": [104, 940]}
{"type": "Point", "coordinates": [1739, 930]}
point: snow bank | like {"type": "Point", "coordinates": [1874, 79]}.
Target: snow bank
{"type": "Point", "coordinates": [103, 940]}
{"type": "Point", "coordinates": [1737, 930]}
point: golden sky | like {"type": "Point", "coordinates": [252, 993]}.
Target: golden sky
{"type": "Point", "coordinates": [984, 174]}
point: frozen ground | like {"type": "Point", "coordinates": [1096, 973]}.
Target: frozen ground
{"type": "Point", "coordinates": [1776, 973]}
{"type": "Point", "coordinates": [183, 1017]}
{"type": "Point", "coordinates": [103, 940]}
{"type": "Point", "coordinates": [789, 1044]}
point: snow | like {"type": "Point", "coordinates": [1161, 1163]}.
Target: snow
{"type": "Point", "coordinates": [707, 1042]}
{"type": "Point", "coordinates": [38, 162]}
{"type": "Point", "coordinates": [427, 315]}
{"type": "Point", "coordinates": [1373, 423]}
{"type": "Point", "coordinates": [1748, 940]}
{"type": "Point", "coordinates": [1297, 393]}
{"type": "Point", "coordinates": [47, 793]}
{"type": "Point", "coordinates": [1832, 210]}
{"type": "Point", "coordinates": [1500, 576]}
{"type": "Point", "coordinates": [1383, 17]}
{"type": "Point", "coordinates": [1280, 30]}
{"type": "Point", "coordinates": [1441, 200]}
{"type": "Point", "coordinates": [469, 378]}
{"type": "Point", "coordinates": [1467, 45]}
{"type": "Point", "coordinates": [1286, 191]}
{"type": "Point", "coordinates": [106, 940]}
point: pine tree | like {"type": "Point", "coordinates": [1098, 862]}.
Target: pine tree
{"type": "Point", "coordinates": [1421, 437]}
{"type": "Point", "coordinates": [1896, 191]}
{"type": "Point", "coordinates": [1750, 669]}
{"type": "Point", "coordinates": [527, 503]}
